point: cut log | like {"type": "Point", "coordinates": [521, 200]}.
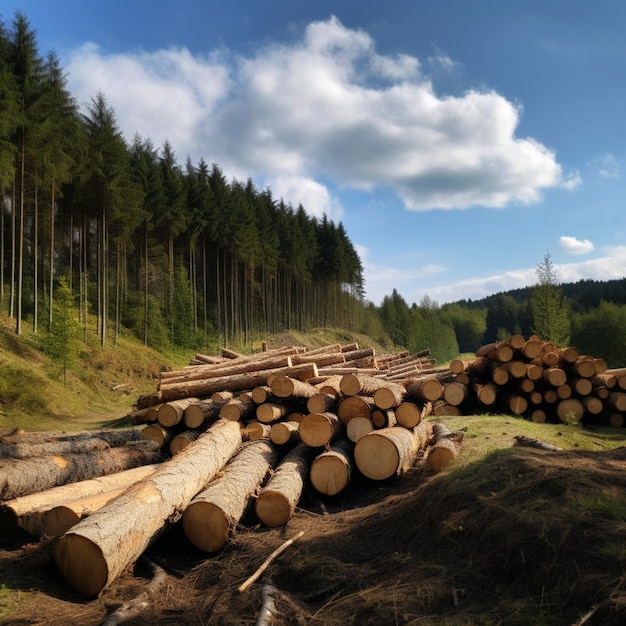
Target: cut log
{"type": "Point", "coordinates": [270, 412]}
{"type": "Point", "coordinates": [358, 427]}
{"type": "Point", "coordinates": [261, 394]}
{"type": "Point", "coordinates": [321, 402]}
{"type": "Point", "coordinates": [389, 396]}
{"type": "Point", "coordinates": [499, 351]}
{"type": "Point", "coordinates": [203, 412]}
{"type": "Point", "coordinates": [277, 501]}
{"type": "Point", "coordinates": [331, 471]}
{"type": "Point", "coordinates": [617, 400]}
{"type": "Point", "coordinates": [172, 413]}
{"type": "Point", "coordinates": [538, 416]}
{"type": "Point", "coordinates": [570, 410]}
{"type": "Point", "coordinates": [157, 433]}
{"type": "Point", "coordinates": [99, 547]}
{"type": "Point", "coordinates": [27, 512]}
{"type": "Point", "coordinates": [20, 477]}
{"type": "Point", "coordinates": [410, 414]}
{"type": "Point", "coordinates": [212, 516]}
{"type": "Point", "coordinates": [288, 387]}
{"type": "Point", "coordinates": [318, 429]}
{"type": "Point", "coordinates": [444, 449]}
{"type": "Point", "coordinates": [361, 384]}
{"type": "Point", "coordinates": [455, 394]}
{"type": "Point", "coordinates": [180, 441]}
{"type": "Point", "coordinates": [355, 406]}
{"type": "Point", "coordinates": [389, 452]}
{"type": "Point", "coordinates": [236, 382]}
{"type": "Point", "coordinates": [593, 405]}
{"type": "Point", "coordinates": [237, 410]}
{"type": "Point", "coordinates": [486, 394]}
{"type": "Point", "coordinates": [255, 430]}
{"type": "Point", "coordinates": [554, 376]}
{"type": "Point", "coordinates": [30, 445]}
{"type": "Point", "coordinates": [426, 389]}
{"type": "Point", "coordinates": [383, 418]}
{"type": "Point", "coordinates": [283, 433]}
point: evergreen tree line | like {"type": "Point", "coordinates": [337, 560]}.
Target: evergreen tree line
{"type": "Point", "coordinates": [177, 254]}
{"type": "Point", "coordinates": [126, 238]}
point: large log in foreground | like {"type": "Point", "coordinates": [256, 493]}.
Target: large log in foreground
{"type": "Point", "coordinates": [99, 547]}
{"type": "Point", "coordinates": [213, 514]}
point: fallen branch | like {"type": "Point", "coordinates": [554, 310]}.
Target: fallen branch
{"type": "Point", "coordinates": [535, 443]}
{"type": "Point", "coordinates": [267, 562]}
{"type": "Point", "coordinates": [268, 606]}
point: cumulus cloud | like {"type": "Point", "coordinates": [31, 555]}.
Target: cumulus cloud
{"type": "Point", "coordinates": [326, 106]}
{"type": "Point", "coordinates": [313, 196]}
{"type": "Point", "coordinates": [575, 246]}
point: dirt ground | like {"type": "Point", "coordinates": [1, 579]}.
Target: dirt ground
{"type": "Point", "coordinates": [522, 536]}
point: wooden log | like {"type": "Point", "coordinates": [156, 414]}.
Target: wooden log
{"type": "Point", "coordinates": [238, 410]}
{"type": "Point", "coordinates": [358, 427]}
{"type": "Point", "coordinates": [584, 366]}
{"type": "Point", "coordinates": [532, 348]}
{"type": "Point", "coordinates": [563, 391]}
{"type": "Point", "coordinates": [261, 394]}
{"type": "Point", "coordinates": [282, 433]}
{"type": "Point", "coordinates": [203, 412]}
{"type": "Point", "coordinates": [98, 548]}
{"type": "Point", "coordinates": [554, 376]}
{"type": "Point", "coordinates": [581, 386]}
{"type": "Point", "coordinates": [389, 452]}
{"type": "Point", "coordinates": [513, 403]}
{"type": "Point", "coordinates": [287, 387]}
{"type": "Point", "coordinates": [331, 385]}
{"type": "Point", "coordinates": [486, 394]}
{"type": "Point", "coordinates": [410, 414]}
{"type": "Point", "coordinates": [172, 413]}
{"type": "Point", "coordinates": [319, 429]}
{"type": "Point", "coordinates": [570, 410]}
{"type": "Point", "coordinates": [331, 471]}
{"type": "Point", "coordinates": [20, 477]}
{"type": "Point", "coordinates": [616, 400]}
{"type": "Point", "coordinates": [389, 396]}
{"type": "Point", "coordinates": [180, 441]}
{"type": "Point", "coordinates": [270, 412]}
{"type": "Point", "coordinates": [212, 516]}
{"type": "Point", "coordinates": [442, 408]}
{"type": "Point", "coordinates": [593, 405]}
{"type": "Point", "coordinates": [236, 382]}
{"type": "Point", "coordinates": [383, 418]}
{"type": "Point", "coordinates": [321, 402]}
{"type": "Point", "coordinates": [455, 394]}
{"type": "Point", "coordinates": [515, 368]}
{"type": "Point", "coordinates": [497, 351]}
{"type": "Point", "coordinates": [499, 376]}
{"type": "Point", "coordinates": [254, 430]}
{"type": "Point", "coordinates": [361, 384]}
{"type": "Point", "coordinates": [568, 355]}
{"type": "Point", "coordinates": [58, 447]}
{"type": "Point", "coordinates": [538, 416]}
{"type": "Point", "coordinates": [355, 406]}
{"type": "Point", "coordinates": [28, 512]}
{"type": "Point", "coordinates": [427, 389]}
{"type": "Point", "coordinates": [445, 448]}
{"type": "Point", "coordinates": [277, 500]}
{"type": "Point", "coordinates": [157, 433]}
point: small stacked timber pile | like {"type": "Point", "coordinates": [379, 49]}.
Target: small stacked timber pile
{"type": "Point", "coordinates": [534, 379]}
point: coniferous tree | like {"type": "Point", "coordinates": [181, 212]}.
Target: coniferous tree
{"type": "Point", "coordinates": [549, 306]}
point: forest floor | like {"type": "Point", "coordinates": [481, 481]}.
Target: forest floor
{"type": "Point", "coordinates": [505, 535]}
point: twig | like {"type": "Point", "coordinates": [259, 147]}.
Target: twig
{"type": "Point", "coordinates": [268, 607]}
{"type": "Point", "coordinates": [267, 561]}
{"type": "Point", "coordinates": [587, 616]}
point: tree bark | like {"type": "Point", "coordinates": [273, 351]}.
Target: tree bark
{"type": "Point", "coordinates": [331, 471]}
{"type": "Point", "coordinates": [20, 477]}
{"type": "Point", "coordinates": [277, 501]}
{"type": "Point", "coordinates": [444, 449]}
{"type": "Point", "coordinates": [27, 512]}
{"type": "Point", "coordinates": [212, 516]}
{"type": "Point", "coordinates": [98, 548]}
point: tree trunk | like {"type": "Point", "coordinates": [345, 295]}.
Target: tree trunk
{"type": "Point", "coordinates": [236, 382]}
{"type": "Point", "coordinates": [27, 512]}
{"type": "Point", "coordinates": [287, 387]}
{"type": "Point", "coordinates": [270, 412]}
{"type": "Point", "coordinates": [238, 410]}
{"type": "Point", "coordinates": [424, 389]}
{"type": "Point", "coordinates": [331, 471]}
{"type": "Point", "coordinates": [321, 402]}
{"type": "Point", "coordinates": [283, 433]}
{"type": "Point", "coordinates": [212, 516]}
{"type": "Point", "coordinates": [98, 548]}
{"type": "Point", "coordinates": [173, 412]}
{"type": "Point", "coordinates": [384, 453]}
{"type": "Point", "coordinates": [358, 427]}
{"type": "Point", "coordinates": [202, 412]}
{"type": "Point", "coordinates": [362, 384]}
{"type": "Point", "coordinates": [277, 501]}
{"type": "Point", "coordinates": [20, 477]}
{"type": "Point", "coordinates": [180, 441]}
{"type": "Point", "coordinates": [355, 406]}
{"type": "Point", "coordinates": [389, 396]}
{"type": "Point", "coordinates": [409, 414]}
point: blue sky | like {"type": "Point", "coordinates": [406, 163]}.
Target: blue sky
{"type": "Point", "coordinates": [457, 141]}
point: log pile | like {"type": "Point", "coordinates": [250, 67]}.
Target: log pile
{"type": "Point", "coordinates": [249, 434]}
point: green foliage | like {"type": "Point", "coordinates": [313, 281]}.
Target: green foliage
{"type": "Point", "coordinates": [62, 342]}
{"type": "Point", "coordinates": [469, 325]}
{"type": "Point", "coordinates": [600, 332]}
{"type": "Point", "coordinates": [549, 306]}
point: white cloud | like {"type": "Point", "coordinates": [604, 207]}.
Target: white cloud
{"type": "Point", "coordinates": [327, 105]}
{"type": "Point", "coordinates": [575, 246]}
{"type": "Point", "coordinates": [314, 197]}
{"type": "Point", "coordinates": [606, 166]}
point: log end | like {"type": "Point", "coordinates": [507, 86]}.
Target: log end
{"type": "Point", "coordinates": [329, 475]}
{"type": "Point", "coordinates": [376, 457]}
{"type": "Point", "coordinates": [81, 564]}
{"type": "Point", "coordinates": [206, 526]}
{"type": "Point", "coordinates": [59, 520]}
{"type": "Point", "coordinates": [273, 508]}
